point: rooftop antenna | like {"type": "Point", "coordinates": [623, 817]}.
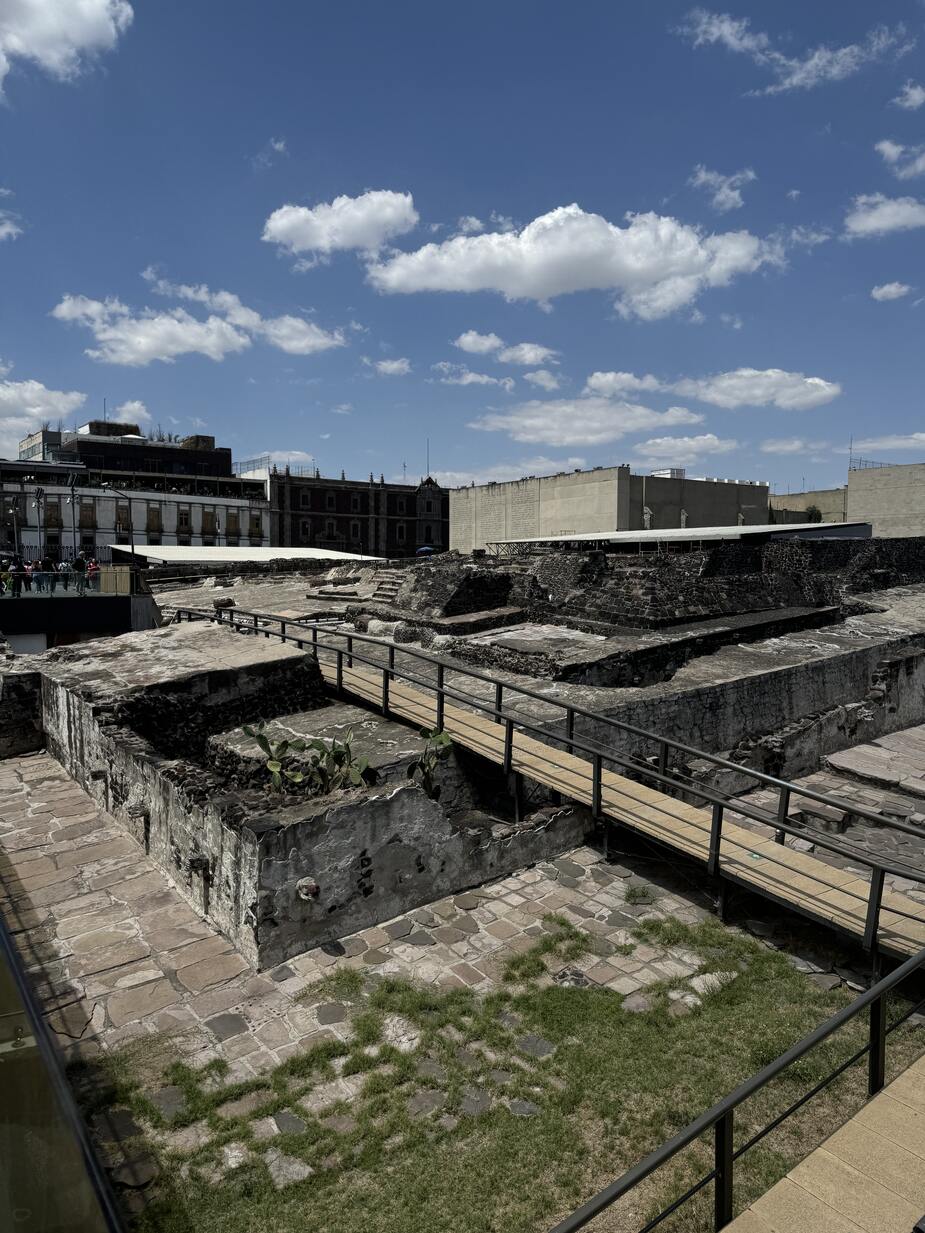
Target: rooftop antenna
{"type": "Point", "coordinates": [427, 472]}
{"type": "Point", "coordinates": [404, 473]}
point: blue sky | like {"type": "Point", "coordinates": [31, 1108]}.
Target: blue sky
{"type": "Point", "coordinates": [540, 235]}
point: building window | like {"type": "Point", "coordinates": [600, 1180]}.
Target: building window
{"type": "Point", "coordinates": [183, 520]}
{"type": "Point", "coordinates": [330, 500]}
{"type": "Point", "coordinates": [306, 498]}
{"type": "Point", "coordinates": [428, 507]}
{"type": "Point", "coordinates": [330, 528]}
{"type": "Point", "coordinates": [400, 532]}
{"type": "Point", "coordinates": [52, 512]}
{"type": "Point", "coordinates": [87, 512]}
{"type": "Point", "coordinates": [400, 505]}
{"type": "Point", "coordinates": [208, 522]}
{"type": "Point", "coordinates": [305, 529]}
{"type": "Point", "coordinates": [154, 524]}
{"type": "Point", "coordinates": [255, 528]}
{"type": "Point", "coordinates": [232, 523]}
{"type": "Point", "coordinates": [354, 502]}
{"type": "Point", "coordinates": [354, 530]}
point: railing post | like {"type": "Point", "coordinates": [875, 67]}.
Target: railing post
{"type": "Point", "coordinates": [440, 698]}
{"type": "Point", "coordinates": [282, 631]}
{"type": "Point", "coordinates": [499, 698]}
{"type": "Point", "coordinates": [340, 671]}
{"type": "Point", "coordinates": [596, 787]}
{"type": "Point", "coordinates": [385, 691]}
{"type": "Point", "coordinates": [255, 622]}
{"type": "Point", "coordinates": [391, 658]}
{"type": "Point", "coordinates": [315, 637]}
{"type": "Point", "coordinates": [876, 1058]}
{"type": "Point", "coordinates": [783, 806]}
{"type": "Point", "coordinates": [508, 745]}
{"type": "Point", "coordinates": [871, 926]}
{"type": "Point", "coordinates": [570, 730]}
{"type": "Point", "coordinates": [716, 830]}
{"type": "Point", "coordinates": [349, 652]}
{"type": "Point", "coordinates": [723, 1163]}
{"type": "Point", "coordinates": [663, 757]}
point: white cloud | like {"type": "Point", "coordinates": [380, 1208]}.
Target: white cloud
{"type": "Point", "coordinates": [137, 340]}
{"type": "Point", "coordinates": [655, 263]}
{"type": "Point", "coordinates": [9, 227]}
{"type": "Point", "coordinates": [890, 291]}
{"type": "Point", "coordinates": [363, 222]}
{"type": "Point", "coordinates": [291, 458]}
{"type": "Point", "coordinates": [26, 405]}
{"type": "Point", "coordinates": [743, 387]}
{"type": "Point", "coordinates": [874, 214]}
{"type": "Point", "coordinates": [726, 191]}
{"type": "Point", "coordinates": [389, 368]}
{"type": "Point", "coordinates": [502, 471]}
{"type": "Point", "coordinates": [906, 162]}
{"type": "Point", "coordinates": [733, 320]}
{"type": "Point", "coordinates": [543, 378]}
{"type": "Point", "coordinates": [807, 237]}
{"type": "Point", "coordinates": [459, 374]}
{"type": "Point", "coordinates": [579, 421]}
{"type": "Point", "coordinates": [609, 384]}
{"type": "Point", "coordinates": [792, 445]}
{"type": "Point", "coordinates": [469, 225]}
{"type": "Point", "coordinates": [60, 36]}
{"type": "Point", "coordinates": [793, 194]}
{"type": "Point", "coordinates": [680, 451]}
{"type": "Point", "coordinates": [911, 97]}
{"type": "Point", "coordinates": [910, 441]}
{"type": "Point", "coordinates": [342, 408]}
{"type": "Point", "coordinates": [527, 354]}
{"type": "Point", "coordinates": [274, 149]}
{"type": "Point", "coordinates": [294, 335]}
{"type": "Point", "coordinates": [133, 411]}
{"type": "Point", "coordinates": [478, 344]}
{"type": "Point", "coordinates": [803, 72]}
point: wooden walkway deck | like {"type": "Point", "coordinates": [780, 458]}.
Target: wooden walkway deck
{"type": "Point", "coordinates": [869, 1177]}
{"type": "Point", "coordinates": [795, 879]}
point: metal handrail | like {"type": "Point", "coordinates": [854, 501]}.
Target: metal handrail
{"type": "Point", "coordinates": [608, 720]}
{"type": "Point", "coordinates": [62, 1092]}
{"type": "Point", "coordinates": [719, 1117]}
{"type": "Point", "coordinates": [781, 825]}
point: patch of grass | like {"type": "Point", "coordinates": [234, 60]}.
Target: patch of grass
{"type": "Point", "coordinates": [563, 940]}
{"type": "Point", "coordinates": [617, 1085]}
{"type": "Point", "coordinates": [344, 985]}
{"type": "Point", "coordinates": [638, 895]}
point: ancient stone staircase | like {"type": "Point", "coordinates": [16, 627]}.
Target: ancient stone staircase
{"type": "Point", "coordinates": [387, 583]}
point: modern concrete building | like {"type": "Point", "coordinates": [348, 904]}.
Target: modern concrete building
{"type": "Point", "coordinates": [603, 499]}
{"type": "Point", "coordinates": [891, 498]}
{"type": "Point", "coordinates": [371, 516]}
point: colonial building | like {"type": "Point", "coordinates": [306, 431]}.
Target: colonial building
{"type": "Point", "coordinates": [370, 517]}
{"type": "Point", "coordinates": [83, 491]}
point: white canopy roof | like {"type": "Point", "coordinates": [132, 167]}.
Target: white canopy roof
{"type": "Point", "coordinates": [859, 530]}
{"type": "Point", "coordinates": [172, 554]}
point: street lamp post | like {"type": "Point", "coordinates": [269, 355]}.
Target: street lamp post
{"type": "Point", "coordinates": [14, 510]}
{"type": "Point", "coordinates": [38, 504]}
{"type": "Point", "coordinates": [72, 502]}
{"type": "Point", "coordinates": [131, 520]}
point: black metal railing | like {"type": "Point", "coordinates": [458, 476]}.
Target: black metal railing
{"type": "Point", "coordinates": [342, 645]}
{"type": "Point", "coordinates": [720, 1118]}
{"type": "Point", "coordinates": [50, 1177]}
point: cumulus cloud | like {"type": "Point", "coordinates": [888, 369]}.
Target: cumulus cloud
{"type": "Point", "coordinates": [906, 162]}
{"type": "Point", "coordinates": [291, 458]}
{"type": "Point", "coordinates": [655, 264]}
{"type": "Point", "coordinates": [890, 291]}
{"type": "Point", "coordinates": [527, 354]}
{"type": "Point", "coordinates": [681, 451]}
{"type": "Point", "coordinates": [60, 36]}
{"type": "Point", "coordinates": [133, 411]}
{"type": "Point", "coordinates": [579, 421]}
{"type": "Point", "coordinates": [873, 214]}
{"type": "Point", "coordinates": [9, 227]}
{"type": "Point", "coordinates": [478, 344]}
{"type": "Point", "coordinates": [469, 225]}
{"type": "Point", "coordinates": [502, 471]}
{"type": "Point", "coordinates": [743, 387]}
{"type": "Point", "coordinates": [543, 378]}
{"type": "Point", "coordinates": [365, 223]}
{"type": "Point", "coordinates": [459, 374]}
{"type": "Point", "coordinates": [725, 191]}
{"type": "Point", "coordinates": [911, 97]}
{"type": "Point", "coordinates": [908, 441]}
{"type": "Point", "coordinates": [389, 368]}
{"type": "Point", "coordinates": [792, 445]}
{"type": "Point", "coordinates": [25, 405]}
{"type": "Point", "coordinates": [802, 72]}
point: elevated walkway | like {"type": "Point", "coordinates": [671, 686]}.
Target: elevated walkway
{"type": "Point", "coordinates": [869, 1177]}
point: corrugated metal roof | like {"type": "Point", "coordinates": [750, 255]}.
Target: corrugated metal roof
{"type": "Point", "coordinates": [695, 534]}
{"type": "Point", "coordinates": [176, 553]}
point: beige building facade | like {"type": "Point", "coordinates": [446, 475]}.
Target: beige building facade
{"type": "Point", "coordinates": [890, 498]}
{"type": "Point", "coordinates": [603, 499]}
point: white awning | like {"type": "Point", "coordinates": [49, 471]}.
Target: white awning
{"type": "Point", "coordinates": [175, 554]}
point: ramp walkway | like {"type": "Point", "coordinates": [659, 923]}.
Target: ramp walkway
{"type": "Point", "coordinates": [856, 904]}
{"type": "Point", "coordinates": [869, 1177]}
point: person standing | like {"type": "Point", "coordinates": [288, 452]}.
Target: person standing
{"type": "Point", "coordinates": [27, 576]}
{"type": "Point", "coordinates": [51, 576]}
{"type": "Point", "coordinates": [64, 570]}
{"type": "Point", "coordinates": [93, 574]}
{"type": "Point", "coordinates": [17, 572]}
{"type": "Point", "coordinates": [80, 572]}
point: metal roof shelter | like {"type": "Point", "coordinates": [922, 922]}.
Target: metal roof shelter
{"type": "Point", "coordinates": [682, 537]}
{"type": "Point", "coordinates": [175, 554]}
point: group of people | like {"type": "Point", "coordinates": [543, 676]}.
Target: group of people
{"type": "Point", "coordinates": [18, 575]}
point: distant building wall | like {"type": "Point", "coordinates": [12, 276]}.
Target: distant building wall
{"type": "Point", "coordinates": [891, 498]}
{"type": "Point", "coordinates": [606, 499]}
{"type": "Point", "coordinates": [832, 504]}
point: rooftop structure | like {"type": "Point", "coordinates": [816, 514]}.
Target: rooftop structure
{"type": "Point", "coordinates": [104, 445]}
{"type": "Point", "coordinates": [689, 537]}
{"type": "Point", "coordinates": [173, 553]}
